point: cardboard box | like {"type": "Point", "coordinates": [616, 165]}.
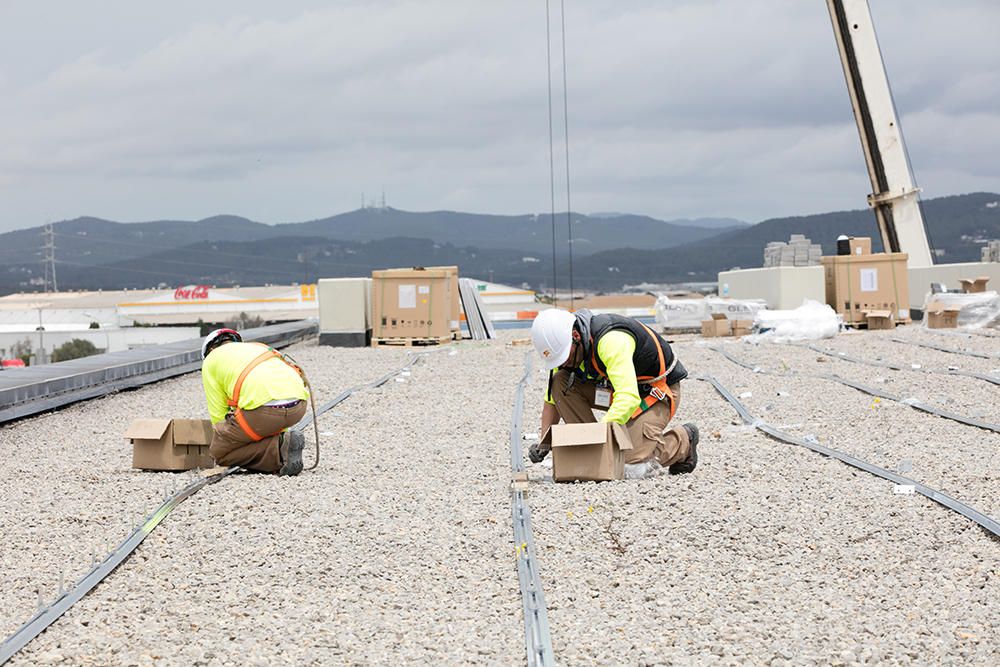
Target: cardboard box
{"type": "Point", "coordinates": [412, 303]}
{"type": "Point", "coordinates": [860, 245]}
{"type": "Point", "coordinates": [587, 452]}
{"type": "Point", "coordinates": [856, 285]}
{"type": "Point", "coordinates": [717, 326]}
{"type": "Point", "coordinates": [880, 319]}
{"type": "Point", "coordinates": [974, 285]}
{"type": "Point", "coordinates": [456, 302]}
{"type": "Point", "coordinates": [940, 316]}
{"type": "Point", "coordinates": [170, 444]}
{"type": "Point", "coordinates": [742, 327]}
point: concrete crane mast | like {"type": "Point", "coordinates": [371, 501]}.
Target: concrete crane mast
{"type": "Point", "coordinates": [894, 195]}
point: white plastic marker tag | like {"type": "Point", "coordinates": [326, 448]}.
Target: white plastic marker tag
{"type": "Point", "coordinates": [904, 489]}
{"type": "Point", "coordinates": [326, 432]}
{"type": "Point", "coordinates": [405, 374]}
{"type": "Point", "coordinates": [400, 379]}
{"type": "Point", "coordinates": [602, 398]}
{"type": "Point", "coordinates": [529, 436]}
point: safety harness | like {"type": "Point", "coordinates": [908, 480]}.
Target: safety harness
{"type": "Point", "coordinates": [234, 402]}
{"type": "Point", "coordinates": [658, 388]}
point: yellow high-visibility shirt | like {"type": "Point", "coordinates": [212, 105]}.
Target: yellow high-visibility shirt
{"type": "Point", "coordinates": [272, 380]}
{"type": "Point", "coordinates": [616, 349]}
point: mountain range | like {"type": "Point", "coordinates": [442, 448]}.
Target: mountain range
{"type": "Point", "coordinates": [610, 249]}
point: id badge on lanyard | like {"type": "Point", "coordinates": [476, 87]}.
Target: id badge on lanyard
{"type": "Point", "coordinates": [602, 397]}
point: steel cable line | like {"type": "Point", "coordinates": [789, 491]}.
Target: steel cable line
{"type": "Point", "coordinates": [552, 168]}
{"type": "Point", "coordinates": [569, 206]}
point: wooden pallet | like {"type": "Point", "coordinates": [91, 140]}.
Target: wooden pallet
{"type": "Point", "coordinates": [411, 342]}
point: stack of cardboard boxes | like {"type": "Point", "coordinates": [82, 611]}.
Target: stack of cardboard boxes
{"type": "Point", "coordinates": [862, 287]}
{"type": "Point", "coordinates": [720, 325]}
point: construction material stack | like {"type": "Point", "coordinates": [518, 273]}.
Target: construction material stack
{"type": "Point", "coordinates": [799, 251]}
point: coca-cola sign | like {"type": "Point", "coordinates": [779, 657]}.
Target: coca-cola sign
{"type": "Point", "coordinates": [188, 292]}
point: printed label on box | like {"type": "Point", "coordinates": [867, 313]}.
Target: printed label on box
{"type": "Point", "coordinates": [424, 289]}
{"type": "Point", "coordinates": [407, 296]}
{"type": "Point", "coordinates": [869, 280]}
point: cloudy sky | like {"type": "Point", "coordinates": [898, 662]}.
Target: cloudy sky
{"type": "Point", "coordinates": [291, 111]}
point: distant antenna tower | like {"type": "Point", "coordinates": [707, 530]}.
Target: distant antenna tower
{"type": "Point", "coordinates": [49, 259]}
{"type": "Point", "coordinates": [362, 201]}
{"type": "Point", "coordinates": [383, 200]}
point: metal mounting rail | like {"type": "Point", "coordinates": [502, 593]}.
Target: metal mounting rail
{"type": "Point", "coordinates": [871, 391]}
{"type": "Point", "coordinates": [988, 523]}
{"type": "Point", "coordinates": [896, 366]}
{"type": "Point", "coordinates": [949, 350]}
{"type": "Point", "coordinates": [48, 615]}
{"type": "Point", "coordinates": [28, 391]}
{"type": "Point", "coordinates": [537, 640]}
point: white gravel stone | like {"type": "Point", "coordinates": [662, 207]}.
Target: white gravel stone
{"type": "Point", "coordinates": [398, 549]}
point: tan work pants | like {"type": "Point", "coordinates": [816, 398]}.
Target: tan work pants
{"type": "Point", "coordinates": [648, 432]}
{"type": "Point", "coordinates": [232, 447]}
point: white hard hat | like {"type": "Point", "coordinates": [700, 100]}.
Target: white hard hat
{"type": "Point", "coordinates": [552, 336]}
{"type": "Point", "coordinates": [211, 338]}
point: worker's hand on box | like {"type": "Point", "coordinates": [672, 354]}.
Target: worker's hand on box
{"type": "Point", "coordinates": [537, 453]}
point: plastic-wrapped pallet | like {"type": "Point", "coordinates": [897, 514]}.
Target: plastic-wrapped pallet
{"type": "Point", "coordinates": [680, 313]}
{"type": "Point", "coordinates": [810, 321]}
{"type": "Point", "coordinates": [976, 311]}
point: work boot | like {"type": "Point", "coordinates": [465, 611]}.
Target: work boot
{"type": "Point", "coordinates": [688, 464]}
{"type": "Point", "coordinates": [291, 446]}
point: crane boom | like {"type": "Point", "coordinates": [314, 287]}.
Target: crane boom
{"type": "Point", "coordinates": [894, 195]}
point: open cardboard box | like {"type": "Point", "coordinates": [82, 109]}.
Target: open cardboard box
{"type": "Point", "coordinates": [880, 319]}
{"type": "Point", "coordinates": [940, 316]}
{"type": "Point", "coordinates": [170, 444]}
{"type": "Point", "coordinates": [717, 326]}
{"type": "Point", "coordinates": [587, 452]}
{"type": "Point", "coordinates": [974, 285]}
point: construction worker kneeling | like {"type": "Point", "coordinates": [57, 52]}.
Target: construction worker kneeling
{"type": "Point", "coordinates": [254, 395]}
{"type": "Point", "coordinates": [618, 364]}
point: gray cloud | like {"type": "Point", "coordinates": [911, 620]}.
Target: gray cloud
{"type": "Point", "coordinates": [289, 113]}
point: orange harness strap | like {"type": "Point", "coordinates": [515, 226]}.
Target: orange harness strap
{"type": "Point", "coordinates": [658, 388]}
{"type": "Point", "coordinates": [234, 402]}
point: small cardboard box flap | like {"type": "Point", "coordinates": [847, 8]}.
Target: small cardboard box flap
{"type": "Point", "coordinates": [718, 316]}
{"type": "Point", "coordinates": [594, 433]}
{"type": "Point", "coordinates": [147, 429]}
{"type": "Point", "coordinates": [621, 436]}
{"type": "Point", "coordinates": [935, 307]}
{"type": "Point", "coordinates": [192, 432]}
{"type": "Point", "coordinates": [879, 313]}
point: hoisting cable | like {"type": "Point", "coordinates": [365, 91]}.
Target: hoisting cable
{"type": "Point", "coordinates": [569, 205]}
{"type": "Point", "coordinates": [552, 159]}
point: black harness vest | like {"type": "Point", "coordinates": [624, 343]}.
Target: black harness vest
{"type": "Point", "coordinates": [646, 358]}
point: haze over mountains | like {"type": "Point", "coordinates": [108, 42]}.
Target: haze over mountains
{"type": "Point", "coordinates": [610, 250]}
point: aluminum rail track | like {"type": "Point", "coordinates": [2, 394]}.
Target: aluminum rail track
{"type": "Point", "coordinates": [896, 366]}
{"type": "Point", "coordinates": [988, 523]}
{"type": "Point", "coordinates": [48, 615]}
{"type": "Point", "coordinates": [537, 640]}
{"type": "Point", "coordinates": [871, 391]}
{"type": "Point", "coordinates": [29, 391]}
{"type": "Point", "coordinates": [949, 350]}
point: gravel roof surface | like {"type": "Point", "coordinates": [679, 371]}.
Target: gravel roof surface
{"type": "Point", "coordinates": [399, 547]}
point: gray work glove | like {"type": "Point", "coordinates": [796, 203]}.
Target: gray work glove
{"type": "Point", "coordinates": [537, 453]}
